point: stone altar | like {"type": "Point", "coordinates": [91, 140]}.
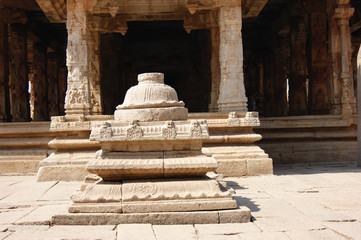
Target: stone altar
{"type": "Point", "coordinates": [150, 167]}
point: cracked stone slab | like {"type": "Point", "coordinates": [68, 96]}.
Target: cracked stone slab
{"type": "Point", "coordinates": [10, 216]}
{"type": "Point", "coordinates": [64, 232]}
{"type": "Point", "coordinates": [135, 232]}
{"type": "Point", "coordinates": [175, 232]}
{"type": "Point", "coordinates": [43, 214]}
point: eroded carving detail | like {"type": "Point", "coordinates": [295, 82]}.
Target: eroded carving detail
{"type": "Point", "coordinates": [134, 131]}
{"type": "Point", "coordinates": [169, 131]}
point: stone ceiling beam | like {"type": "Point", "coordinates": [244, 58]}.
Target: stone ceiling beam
{"type": "Point", "coordinates": [251, 8]}
{"type": "Point", "coordinates": [55, 10]}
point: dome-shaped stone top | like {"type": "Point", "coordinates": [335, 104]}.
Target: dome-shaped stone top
{"type": "Point", "coordinates": [151, 92]}
{"type": "Point", "coordinates": [151, 100]}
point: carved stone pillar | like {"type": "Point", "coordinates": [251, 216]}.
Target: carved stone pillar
{"type": "Point", "coordinates": [78, 96]}
{"type": "Point", "coordinates": [343, 13]}
{"type": "Point", "coordinates": [53, 85]}
{"type": "Point", "coordinates": [280, 75]}
{"type": "Point", "coordinates": [4, 74]}
{"type": "Point", "coordinates": [94, 72]}
{"type": "Point", "coordinates": [18, 85]}
{"type": "Point", "coordinates": [232, 96]}
{"type": "Point", "coordinates": [39, 83]}
{"type": "Point", "coordinates": [298, 65]}
{"type": "Point", "coordinates": [62, 80]}
{"type": "Point", "coordinates": [319, 85]}
{"type": "Point", "coordinates": [215, 69]}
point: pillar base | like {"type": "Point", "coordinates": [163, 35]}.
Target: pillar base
{"type": "Point", "coordinates": [240, 215]}
{"type": "Point", "coordinates": [238, 161]}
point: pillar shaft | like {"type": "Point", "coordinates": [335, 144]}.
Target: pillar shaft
{"type": "Point", "coordinates": [53, 84]}
{"type": "Point", "coordinates": [232, 96]}
{"type": "Point", "coordinates": [319, 71]}
{"type": "Point", "coordinates": [39, 88]}
{"type": "Point", "coordinates": [78, 97]}
{"type": "Point", "coordinates": [281, 51]}
{"type": "Point", "coordinates": [18, 85]}
{"type": "Point", "coordinates": [4, 74]}
{"type": "Point", "coordinates": [298, 66]}
{"type": "Point", "coordinates": [215, 69]}
{"type": "Point", "coordinates": [348, 101]}
{"type": "Point", "coordinates": [94, 72]}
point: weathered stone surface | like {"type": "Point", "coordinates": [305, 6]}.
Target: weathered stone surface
{"type": "Point", "coordinates": [175, 232]}
{"type": "Point", "coordinates": [135, 232]}
{"type": "Point", "coordinates": [151, 100]}
{"type": "Point", "coordinates": [42, 215]}
{"type": "Point", "coordinates": [164, 218]}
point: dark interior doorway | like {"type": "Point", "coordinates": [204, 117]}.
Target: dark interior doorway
{"type": "Point", "coordinates": [157, 46]}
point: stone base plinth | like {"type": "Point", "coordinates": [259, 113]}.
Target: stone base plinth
{"type": "Point", "coordinates": [65, 166]}
{"type": "Point", "coordinates": [237, 161]}
{"type": "Point", "coordinates": [239, 215]}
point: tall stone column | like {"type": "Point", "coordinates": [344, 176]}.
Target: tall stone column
{"type": "Point", "coordinates": [4, 74]}
{"type": "Point", "coordinates": [39, 90]}
{"type": "Point", "coordinates": [298, 65]}
{"type": "Point", "coordinates": [280, 75]}
{"type": "Point", "coordinates": [318, 60]}
{"type": "Point", "coordinates": [232, 96]}
{"type": "Point", "coordinates": [215, 69]}
{"type": "Point", "coordinates": [348, 101]}
{"type": "Point", "coordinates": [94, 71]}
{"type": "Point", "coordinates": [18, 85]}
{"type": "Point", "coordinates": [53, 84]}
{"type": "Point", "coordinates": [78, 96]}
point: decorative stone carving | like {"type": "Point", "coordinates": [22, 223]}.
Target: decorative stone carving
{"type": "Point", "coordinates": [4, 74]}
{"type": "Point", "coordinates": [169, 131]}
{"type": "Point", "coordinates": [18, 87]}
{"type": "Point", "coordinates": [232, 119]}
{"type": "Point", "coordinates": [39, 83]}
{"type": "Point", "coordinates": [195, 130]}
{"type": "Point", "coordinates": [151, 100]}
{"type": "Point", "coordinates": [134, 131]}
{"type": "Point", "coordinates": [157, 150]}
{"type": "Point", "coordinates": [106, 131]}
{"type": "Point", "coordinates": [232, 96]}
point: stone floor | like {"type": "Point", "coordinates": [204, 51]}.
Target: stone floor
{"type": "Point", "coordinates": [318, 201]}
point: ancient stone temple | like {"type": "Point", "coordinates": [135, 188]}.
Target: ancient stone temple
{"type": "Point", "coordinates": [274, 79]}
{"type": "Point", "coordinates": [150, 168]}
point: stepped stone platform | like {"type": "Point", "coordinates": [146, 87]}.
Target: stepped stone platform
{"type": "Point", "coordinates": [151, 168]}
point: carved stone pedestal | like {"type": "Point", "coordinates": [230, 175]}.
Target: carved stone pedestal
{"type": "Point", "coordinates": [155, 169]}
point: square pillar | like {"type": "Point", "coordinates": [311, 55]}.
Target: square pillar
{"type": "Point", "coordinates": [4, 74]}
{"type": "Point", "coordinates": [19, 82]}
{"type": "Point", "coordinates": [39, 90]}
{"type": "Point", "coordinates": [232, 95]}
{"type": "Point", "coordinates": [53, 84]}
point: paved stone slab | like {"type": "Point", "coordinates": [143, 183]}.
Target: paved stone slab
{"type": "Point", "coordinates": [64, 232]}
{"type": "Point", "coordinates": [230, 228]}
{"type": "Point", "coordinates": [323, 234]}
{"type": "Point", "coordinates": [224, 231]}
{"type": "Point", "coordinates": [175, 232]}
{"type": "Point", "coordinates": [4, 235]}
{"type": "Point", "coordinates": [61, 191]}
{"type": "Point", "coordinates": [351, 230]}
{"type": "Point", "coordinates": [264, 236]}
{"type": "Point", "coordinates": [286, 223]}
{"type": "Point", "coordinates": [135, 232]}
{"type": "Point", "coordinates": [9, 216]}
{"type": "Point", "coordinates": [43, 214]}
{"type": "Point", "coordinates": [28, 192]}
